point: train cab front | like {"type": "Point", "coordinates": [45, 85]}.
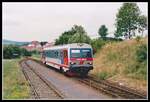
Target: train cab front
{"type": "Point", "coordinates": [81, 61]}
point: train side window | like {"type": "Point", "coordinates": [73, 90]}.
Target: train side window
{"type": "Point", "coordinates": [46, 53]}
{"type": "Point", "coordinates": [56, 54]}
{"type": "Point", "coordinates": [50, 53]}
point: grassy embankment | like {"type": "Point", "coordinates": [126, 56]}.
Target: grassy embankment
{"type": "Point", "coordinates": [119, 62]}
{"type": "Point", "coordinates": [15, 85]}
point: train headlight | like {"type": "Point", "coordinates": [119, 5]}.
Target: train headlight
{"type": "Point", "coordinates": [72, 63]}
{"type": "Point", "coordinates": [90, 63]}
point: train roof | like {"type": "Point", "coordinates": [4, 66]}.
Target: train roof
{"type": "Point", "coordinates": [73, 45]}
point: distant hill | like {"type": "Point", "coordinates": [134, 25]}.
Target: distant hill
{"type": "Point", "coordinates": [7, 42]}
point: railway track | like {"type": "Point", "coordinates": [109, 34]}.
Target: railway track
{"type": "Point", "coordinates": [34, 93]}
{"type": "Point", "coordinates": [110, 88]}
{"type": "Point", "coordinates": [40, 87]}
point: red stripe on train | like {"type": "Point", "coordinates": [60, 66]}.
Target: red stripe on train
{"type": "Point", "coordinates": [61, 65]}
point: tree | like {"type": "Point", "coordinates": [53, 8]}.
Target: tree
{"type": "Point", "coordinates": [127, 20]}
{"type": "Point", "coordinates": [80, 38]}
{"type": "Point", "coordinates": [7, 52]}
{"type": "Point", "coordinates": [103, 31]}
{"type": "Point", "coordinates": [142, 24]}
{"type": "Point", "coordinates": [75, 35]}
{"type": "Point", "coordinates": [24, 52]}
{"type": "Point", "coordinates": [63, 39]}
{"type": "Point", "coordinates": [57, 42]}
{"type": "Point", "coordinates": [11, 51]}
{"type": "Point", "coordinates": [43, 43]}
{"type": "Point", "coordinates": [80, 35]}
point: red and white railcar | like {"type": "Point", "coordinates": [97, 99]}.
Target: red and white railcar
{"type": "Point", "coordinates": [76, 58]}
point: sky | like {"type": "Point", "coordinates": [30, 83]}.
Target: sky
{"type": "Point", "coordinates": [47, 21]}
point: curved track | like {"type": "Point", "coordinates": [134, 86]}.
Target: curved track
{"type": "Point", "coordinates": [112, 88]}
{"type": "Point", "coordinates": [40, 87]}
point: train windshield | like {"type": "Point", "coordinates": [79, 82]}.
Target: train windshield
{"type": "Point", "coordinates": [75, 53]}
{"type": "Point", "coordinates": [81, 53]}
{"type": "Point", "coordinates": [86, 53]}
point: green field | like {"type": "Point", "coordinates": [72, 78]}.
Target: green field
{"type": "Point", "coordinates": [15, 85]}
{"type": "Point", "coordinates": [36, 56]}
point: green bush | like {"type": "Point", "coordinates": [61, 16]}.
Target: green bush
{"type": "Point", "coordinates": [138, 38]}
{"type": "Point", "coordinates": [25, 52]}
{"type": "Point", "coordinates": [34, 52]}
{"type": "Point", "coordinates": [103, 75]}
{"type": "Point", "coordinates": [138, 70]}
{"type": "Point", "coordinates": [11, 51]}
{"type": "Point", "coordinates": [142, 53]}
{"type": "Point", "coordinates": [97, 44]}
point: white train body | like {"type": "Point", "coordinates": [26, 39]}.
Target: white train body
{"type": "Point", "coordinates": [76, 58]}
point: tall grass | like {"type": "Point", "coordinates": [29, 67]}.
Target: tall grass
{"type": "Point", "coordinates": [15, 85]}
{"type": "Point", "coordinates": [127, 58]}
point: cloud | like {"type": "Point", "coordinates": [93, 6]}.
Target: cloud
{"type": "Point", "coordinates": [47, 21]}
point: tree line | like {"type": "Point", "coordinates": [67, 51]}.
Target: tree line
{"type": "Point", "coordinates": [14, 51]}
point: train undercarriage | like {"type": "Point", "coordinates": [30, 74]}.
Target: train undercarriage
{"type": "Point", "coordinates": [78, 71]}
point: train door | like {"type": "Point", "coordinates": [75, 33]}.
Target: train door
{"type": "Point", "coordinates": [65, 57]}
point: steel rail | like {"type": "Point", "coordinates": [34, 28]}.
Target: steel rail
{"type": "Point", "coordinates": [35, 93]}
{"type": "Point", "coordinates": [48, 83]}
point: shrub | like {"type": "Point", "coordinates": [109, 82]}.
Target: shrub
{"type": "Point", "coordinates": [138, 70]}
{"type": "Point", "coordinates": [103, 75]}
{"type": "Point", "coordinates": [97, 44]}
{"type": "Point", "coordinates": [25, 52]}
{"type": "Point", "coordinates": [34, 52]}
{"type": "Point", "coordinates": [11, 51]}
{"type": "Point", "coordinates": [138, 38]}
{"type": "Point", "coordinates": [142, 53]}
